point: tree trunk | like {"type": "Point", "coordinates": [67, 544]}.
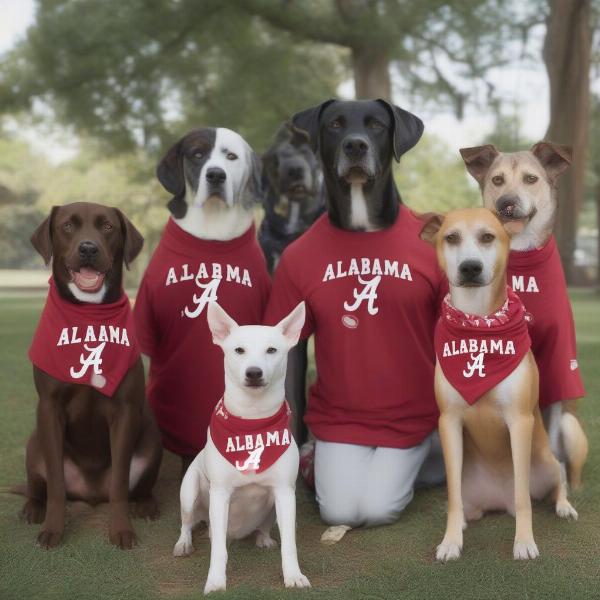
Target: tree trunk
{"type": "Point", "coordinates": [371, 66]}
{"type": "Point", "coordinates": [567, 56]}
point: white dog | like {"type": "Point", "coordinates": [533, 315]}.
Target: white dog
{"type": "Point", "coordinates": [246, 474]}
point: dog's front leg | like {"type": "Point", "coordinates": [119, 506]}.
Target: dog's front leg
{"type": "Point", "coordinates": [451, 435]}
{"type": "Point", "coordinates": [285, 506]}
{"type": "Point", "coordinates": [124, 430]}
{"type": "Point", "coordinates": [218, 514]}
{"type": "Point", "coordinates": [51, 431]}
{"type": "Point", "coordinates": [521, 431]}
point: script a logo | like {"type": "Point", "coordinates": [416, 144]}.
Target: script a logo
{"type": "Point", "coordinates": [368, 293]}
{"type": "Point", "coordinates": [93, 359]}
{"type": "Point", "coordinates": [252, 463]}
{"type": "Point", "coordinates": [209, 294]}
{"type": "Point", "coordinates": [476, 364]}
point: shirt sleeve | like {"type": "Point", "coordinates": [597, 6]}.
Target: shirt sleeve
{"type": "Point", "coordinates": [285, 296]}
{"type": "Point", "coordinates": [145, 320]}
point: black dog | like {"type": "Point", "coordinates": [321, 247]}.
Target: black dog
{"type": "Point", "coordinates": [355, 142]}
{"type": "Point", "coordinates": [293, 186]}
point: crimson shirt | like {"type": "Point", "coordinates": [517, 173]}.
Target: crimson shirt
{"type": "Point", "coordinates": [537, 277]}
{"type": "Point", "coordinates": [372, 301]}
{"type": "Point", "coordinates": [186, 376]}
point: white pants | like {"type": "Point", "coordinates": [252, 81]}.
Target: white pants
{"type": "Point", "coordinates": [365, 485]}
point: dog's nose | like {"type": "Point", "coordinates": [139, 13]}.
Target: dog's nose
{"type": "Point", "coordinates": [355, 146]}
{"type": "Point", "coordinates": [87, 249]}
{"type": "Point", "coordinates": [470, 269]}
{"type": "Point", "coordinates": [215, 175]}
{"type": "Point", "coordinates": [296, 172]}
{"type": "Point", "coordinates": [506, 205]}
{"type": "Point", "coordinates": [254, 373]}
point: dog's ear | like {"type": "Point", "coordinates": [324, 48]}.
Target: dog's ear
{"type": "Point", "coordinates": [41, 239]}
{"type": "Point", "coordinates": [219, 323]}
{"type": "Point", "coordinates": [555, 158]}
{"type": "Point", "coordinates": [432, 222]}
{"type": "Point", "coordinates": [478, 160]}
{"type": "Point", "coordinates": [308, 121]}
{"type": "Point", "coordinates": [133, 241]}
{"type": "Point", "coordinates": [254, 185]}
{"type": "Point", "coordinates": [291, 326]}
{"type": "Point", "coordinates": [408, 128]}
{"type": "Point", "coordinates": [170, 174]}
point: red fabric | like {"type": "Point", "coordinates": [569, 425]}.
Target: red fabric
{"type": "Point", "coordinates": [186, 371]}
{"type": "Point", "coordinates": [373, 323]}
{"type": "Point", "coordinates": [251, 445]}
{"type": "Point", "coordinates": [87, 344]}
{"type": "Point", "coordinates": [537, 277]}
{"type": "Point", "coordinates": [477, 353]}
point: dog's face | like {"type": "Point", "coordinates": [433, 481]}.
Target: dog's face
{"type": "Point", "coordinates": [210, 166]}
{"type": "Point", "coordinates": [88, 244]}
{"type": "Point", "coordinates": [292, 173]}
{"type": "Point", "coordinates": [520, 186]}
{"type": "Point", "coordinates": [356, 141]}
{"type": "Point", "coordinates": [472, 245]}
{"type": "Point", "coordinates": [255, 355]}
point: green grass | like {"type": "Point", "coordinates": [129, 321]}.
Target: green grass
{"type": "Point", "coordinates": [388, 562]}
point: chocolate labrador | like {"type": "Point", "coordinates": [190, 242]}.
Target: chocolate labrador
{"type": "Point", "coordinates": [95, 439]}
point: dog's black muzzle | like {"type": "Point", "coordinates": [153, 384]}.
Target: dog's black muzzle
{"type": "Point", "coordinates": [509, 207]}
{"type": "Point", "coordinates": [470, 273]}
{"type": "Point", "coordinates": [355, 158]}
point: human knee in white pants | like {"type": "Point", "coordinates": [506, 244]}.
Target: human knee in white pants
{"type": "Point", "coordinates": [366, 485]}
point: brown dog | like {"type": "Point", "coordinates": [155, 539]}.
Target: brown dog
{"type": "Point", "coordinates": [496, 450]}
{"type": "Point", "coordinates": [520, 188]}
{"type": "Point", "coordinates": [95, 439]}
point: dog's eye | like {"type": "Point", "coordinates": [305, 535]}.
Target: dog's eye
{"type": "Point", "coordinates": [530, 178]}
{"type": "Point", "coordinates": [487, 238]}
{"type": "Point", "coordinates": [231, 156]}
{"type": "Point", "coordinates": [198, 154]}
{"type": "Point", "coordinates": [107, 227]}
{"type": "Point", "coordinates": [498, 179]}
{"type": "Point", "coordinates": [335, 124]}
{"type": "Point", "coordinates": [239, 350]}
{"type": "Point", "coordinates": [67, 227]}
{"type": "Point", "coordinates": [452, 238]}
{"type": "Point", "coordinates": [271, 350]}
{"type": "Point", "coordinates": [375, 124]}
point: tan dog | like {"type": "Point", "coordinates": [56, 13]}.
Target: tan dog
{"type": "Point", "coordinates": [520, 187]}
{"type": "Point", "coordinates": [496, 449]}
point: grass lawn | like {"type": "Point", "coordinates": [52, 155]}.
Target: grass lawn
{"type": "Point", "coordinates": [388, 562]}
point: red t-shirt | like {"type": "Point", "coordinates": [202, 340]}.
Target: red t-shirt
{"type": "Point", "coordinates": [186, 376]}
{"type": "Point", "coordinates": [251, 445]}
{"type": "Point", "coordinates": [537, 277]}
{"type": "Point", "coordinates": [477, 353]}
{"type": "Point", "coordinates": [86, 344]}
{"type": "Point", "coordinates": [372, 302]}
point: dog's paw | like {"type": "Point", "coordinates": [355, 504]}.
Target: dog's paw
{"type": "Point", "coordinates": [333, 535]}
{"type": "Point", "coordinates": [296, 580]}
{"type": "Point", "coordinates": [264, 540]}
{"type": "Point", "coordinates": [125, 540]}
{"type": "Point", "coordinates": [448, 551]}
{"type": "Point", "coordinates": [215, 583]}
{"type": "Point", "coordinates": [183, 547]}
{"type": "Point", "coordinates": [47, 539]}
{"type": "Point", "coordinates": [33, 511]}
{"type": "Point", "coordinates": [525, 550]}
{"type": "Point", "coordinates": [146, 509]}
{"type": "Point", "coordinates": [566, 511]}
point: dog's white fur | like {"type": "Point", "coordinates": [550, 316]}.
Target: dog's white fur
{"type": "Point", "coordinates": [91, 297]}
{"type": "Point", "coordinates": [214, 218]}
{"type": "Point", "coordinates": [236, 504]}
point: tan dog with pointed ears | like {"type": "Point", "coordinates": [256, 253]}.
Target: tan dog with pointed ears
{"type": "Point", "coordinates": [496, 449]}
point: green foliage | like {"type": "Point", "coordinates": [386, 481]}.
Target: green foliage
{"type": "Point", "coordinates": [432, 177]}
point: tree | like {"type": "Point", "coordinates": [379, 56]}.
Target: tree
{"type": "Point", "coordinates": [567, 50]}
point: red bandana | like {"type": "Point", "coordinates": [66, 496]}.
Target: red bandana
{"type": "Point", "coordinates": [251, 445]}
{"type": "Point", "coordinates": [477, 353]}
{"type": "Point", "coordinates": [88, 344]}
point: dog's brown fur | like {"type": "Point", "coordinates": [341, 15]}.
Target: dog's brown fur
{"type": "Point", "coordinates": [84, 442]}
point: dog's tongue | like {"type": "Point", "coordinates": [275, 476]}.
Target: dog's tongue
{"type": "Point", "coordinates": [514, 227]}
{"type": "Point", "coordinates": [88, 280]}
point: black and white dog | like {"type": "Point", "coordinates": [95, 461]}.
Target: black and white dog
{"type": "Point", "coordinates": [293, 192]}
